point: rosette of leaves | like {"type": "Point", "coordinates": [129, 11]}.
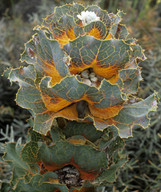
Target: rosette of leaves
{"type": "Point", "coordinates": [78, 158]}
{"type": "Point", "coordinates": [82, 66]}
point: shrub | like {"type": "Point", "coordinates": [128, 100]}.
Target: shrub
{"type": "Point", "coordinates": [80, 86]}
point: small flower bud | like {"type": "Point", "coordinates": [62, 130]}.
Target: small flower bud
{"type": "Point", "coordinates": [85, 74]}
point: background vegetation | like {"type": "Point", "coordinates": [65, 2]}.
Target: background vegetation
{"type": "Point", "coordinates": [142, 173]}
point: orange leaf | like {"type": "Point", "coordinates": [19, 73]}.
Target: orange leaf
{"type": "Point", "coordinates": [113, 79]}
{"type": "Point", "coordinates": [105, 113]}
{"type": "Point", "coordinates": [83, 189]}
{"type": "Point", "coordinates": [109, 36]}
{"type": "Point", "coordinates": [71, 34]}
{"type": "Point", "coordinates": [107, 72]}
{"type": "Point", "coordinates": [95, 32]}
{"type": "Point", "coordinates": [64, 36]}
{"type": "Point", "coordinates": [62, 39]}
{"type": "Point", "coordinates": [68, 113]}
{"type": "Point", "coordinates": [77, 141]}
{"type": "Point", "coordinates": [54, 105]}
{"type": "Point", "coordinates": [51, 71]}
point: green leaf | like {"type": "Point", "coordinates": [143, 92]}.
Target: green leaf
{"type": "Point", "coordinates": [135, 114]}
{"type": "Point", "coordinates": [20, 168]}
{"type": "Point", "coordinates": [107, 95]}
{"type": "Point", "coordinates": [56, 134]}
{"type": "Point", "coordinates": [104, 16]}
{"type": "Point", "coordinates": [28, 95]}
{"type": "Point", "coordinates": [34, 136]}
{"type": "Point", "coordinates": [129, 80]}
{"type": "Point", "coordinates": [12, 157]}
{"type": "Point", "coordinates": [38, 183]}
{"type": "Point", "coordinates": [89, 159]}
{"type": "Point", "coordinates": [109, 175]}
{"type": "Point", "coordinates": [112, 95]}
{"type": "Point", "coordinates": [138, 52]}
{"type": "Point", "coordinates": [66, 29]}
{"type": "Point", "coordinates": [43, 122]}
{"type": "Point", "coordinates": [49, 175]}
{"type": "Point", "coordinates": [116, 18]}
{"type": "Point", "coordinates": [30, 152]}
{"type": "Point", "coordinates": [111, 145]}
{"type": "Point", "coordinates": [119, 31]}
{"type": "Point", "coordinates": [96, 29]}
{"type": "Point", "coordinates": [129, 116]}
{"type": "Point", "coordinates": [65, 90]}
{"type": "Point", "coordinates": [59, 154]}
{"type": "Point", "coordinates": [59, 12]}
{"type": "Point", "coordinates": [84, 129]}
{"type": "Point", "coordinates": [106, 57]}
{"type": "Point", "coordinates": [46, 56]}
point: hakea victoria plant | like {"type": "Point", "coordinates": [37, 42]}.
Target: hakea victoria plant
{"type": "Point", "coordinates": [80, 85]}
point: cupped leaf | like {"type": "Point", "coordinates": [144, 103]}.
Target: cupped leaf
{"type": "Point", "coordinates": [135, 114]}
{"type": "Point", "coordinates": [65, 30]}
{"type": "Point", "coordinates": [119, 31]}
{"type": "Point", "coordinates": [89, 188]}
{"type": "Point", "coordinates": [68, 9]}
{"type": "Point", "coordinates": [43, 122]}
{"type": "Point", "coordinates": [78, 139]}
{"type": "Point", "coordinates": [28, 95]}
{"type": "Point", "coordinates": [109, 175]}
{"type": "Point", "coordinates": [104, 16]}
{"type": "Point", "coordinates": [129, 80]}
{"type": "Point", "coordinates": [46, 56]}
{"type": "Point", "coordinates": [58, 101]}
{"type": "Point", "coordinates": [56, 156]}
{"type": "Point", "coordinates": [71, 90]}
{"type": "Point", "coordinates": [87, 130]}
{"type": "Point", "coordinates": [112, 95]}
{"type": "Point", "coordinates": [106, 57]}
{"type": "Point", "coordinates": [138, 52]}
{"type": "Point", "coordinates": [38, 184]}
{"type": "Point", "coordinates": [65, 26]}
{"type": "Point", "coordinates": [83, 51]}
{"type": "Point", "coordinates": [116, 18]}
{"type": "Point", "coordinates": [104, 102]}
{"type": "Point", "coordinates": [96, 29]}
{"type": "Point", "coordinates": [38, 163]}
{"type": "Point", "coordinates": [129, 116]}
{"type": "Point", "coordinates": [83, 156]}
{"type": "Point", "coordinates": [65, 153]}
